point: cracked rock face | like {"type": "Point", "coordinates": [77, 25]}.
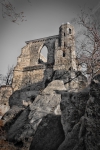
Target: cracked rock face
{"type": "Point", "coordinates": [72, 110]}
{"type": "Point", "coordinates": [46, 103]}
{"type": "Point", "coordinates": [92, 118]}
{"type": "Point", "coordinates": [80, 117]}
{"type": "Point", "coordinates": [22, 122]}
{"type": "Point", "coordinates": [58, 119]}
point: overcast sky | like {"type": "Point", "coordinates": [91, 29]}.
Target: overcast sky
{"type": "Point", "coordinates": [43, 19]}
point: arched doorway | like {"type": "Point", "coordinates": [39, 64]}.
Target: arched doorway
{"type": "Point", "coordinates": [43, 55]}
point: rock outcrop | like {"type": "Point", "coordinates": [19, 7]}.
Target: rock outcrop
{"type": "Point", "coordinates": [80, 118]}
{"type": "Point", "coordinates": [78, 128]}
{"type": "Point", "coordinates": [28, 94]}
{"type": "Point", "coordinates": [21, 122]}
{"type": "Point", "coordinates": [46, 103]}
{"type": "Point", "coordinates": [73, 107]}
{"type": "Point", "coordinates": [49, 134]}
{"type": "Point", "coordinates": [73, 80]}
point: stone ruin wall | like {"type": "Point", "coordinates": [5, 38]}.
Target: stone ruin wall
{"type": "Point", "coordinates": [5, 92]}
{"type": "Point", "coordinates": [61, 55]}
{"type": "Point", "coordinates": [28, 69]}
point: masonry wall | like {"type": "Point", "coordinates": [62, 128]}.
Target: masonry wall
{"type": "Point", "coordinates": [65, 57]}
{"type": "Point", "coordinates": [28, 69]}
{"type": "Point", "coordinates": [61, 55]}
{"type": "Point", "coordinates": [5, 92]}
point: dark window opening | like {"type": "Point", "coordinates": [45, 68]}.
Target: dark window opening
{"type": "Point", "coordinates": [64, 44]}
{"type": "Point", "coordinates": [70, 54]}
{"type": "Point", "coordinates": [64, 34]}
{"type": "Point", "coordinates": [39, 61]}
{"type": "Point", "coordinates": [59, 42]}
{"type": "Point", "coordinates": [69, 31]}
{"type": "Point", "coordinates": [64, 54]}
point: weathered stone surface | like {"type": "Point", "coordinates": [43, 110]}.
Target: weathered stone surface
{"type": "Point", "coordinates": [73, 80]}
{"type": "Point", "coordinates": [22, 122]}
{"type": "Point", "coordinates": [80, 114]}
{"type": "Point", "coordinates": [46, 103]}
{"type": "Point", "coordinates": [31, 66]}
{"type": "Point", "coordinates": [3, 109]}
{"type": "Point", "coordinates": [28, 94]}
{"type": "Point", "coordinates": [92, 117]}
{"type": "Point", "coordinates": [18, 128]}
{"type": "Point", "coordinates": [49, 134]}
{"type": "Point", "coordinates": [48, 76]}
{"type": "Point", "coordinates": [16, 124]}
{"type": "Point", "coordinates": [73, 107]}
{"type": "Point", "coordinates": [80, 118]}
{"type": "Point", "coordinates": [54, 85]}
{"type": "Point", "coordinates": [10, 116]}
{"type": "Point", "coordinates": [5, 93]}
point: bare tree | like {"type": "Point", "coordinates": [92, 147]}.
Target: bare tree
{"type": "Point", "coordinates": [88, 42]}
{"type": "Point", "coordinates": [9, 11]}
{"type": "Point", "coordinates": [7, 79]}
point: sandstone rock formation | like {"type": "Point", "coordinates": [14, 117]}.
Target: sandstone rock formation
{"type": "Point", "coordinates": [22, 122]}
{"type": "Point", "coordinates": [49, 134]}
{"type": "Point", "coordinates": [28, 94]}
{"type": "Point", "coordinates": [40, 120]}
{"type": "Point", "coordinates": [73, 107]}
{"type": "Point", "coordinates": [80, 118]}
{"type": "Point", "coordinates": [73, 80]}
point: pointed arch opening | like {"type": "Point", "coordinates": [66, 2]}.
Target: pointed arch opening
{"type": "Point", "coordinates": [43, 55]}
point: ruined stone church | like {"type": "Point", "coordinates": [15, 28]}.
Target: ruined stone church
{"type": "Point", "coordinates": [31, 64]}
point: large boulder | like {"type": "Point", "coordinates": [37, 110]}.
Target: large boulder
{"type": "Point", "coordinates": [92, 117]}
{"type": "Point", "coordinates": [19, 130]}
{"type": "Point", "coordinates": [28, 94]}
{"type": "Point", "coordinates": [80, 118]}
{"type": "Point", "coordinates": [73, 107]}
{"type": "Point", "coordinates": [73, 80]}
{"type": "Point", "coordinates": [11, 115]}
{"type": "Point", "coordinates": [16, 99]}
{"type": "Point", "coordinates": [49, 134]}
{"type": "Point", "coordinates": [18, 124]}
{"type": "Point", "coordinates": [46, 103]}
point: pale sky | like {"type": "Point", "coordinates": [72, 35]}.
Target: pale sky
{"type": "Point", "coordinates": [43, 19]}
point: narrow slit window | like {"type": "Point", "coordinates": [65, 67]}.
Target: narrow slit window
{"type": "Point", "coordinates": [70, 51]}
{"type": "Point", "coordinates": [69, 31]}
{"type": "Point", "coordinates": [64, 34]}
{"type": "Point", "coordinates": [64, 54]}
